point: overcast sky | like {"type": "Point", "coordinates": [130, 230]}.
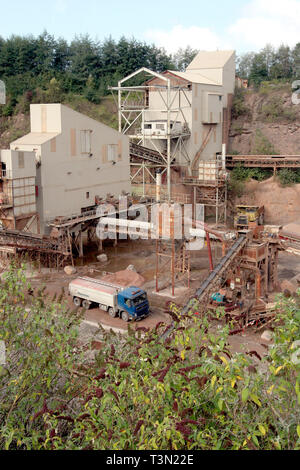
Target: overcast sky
{"type": "Point", "coordinates": [244, 25]}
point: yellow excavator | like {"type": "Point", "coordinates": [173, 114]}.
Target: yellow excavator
{"type": "Point", "coordinates": [246, 214]}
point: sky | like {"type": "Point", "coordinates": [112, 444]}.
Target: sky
{"type": "Point", "coordinates": [243, 25]}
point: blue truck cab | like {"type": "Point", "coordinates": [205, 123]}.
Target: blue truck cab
{"type": "Point", "coordinates": [134, 302]}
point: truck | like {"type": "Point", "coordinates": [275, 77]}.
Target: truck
{"type": "Point", "coordinates": [128, 303]}
{"type": "Point", "coordinates": [246, 214]}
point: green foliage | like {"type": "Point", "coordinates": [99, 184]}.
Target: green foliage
{"type": "Point", "coordinates": [235, 187]}
{"type": "Point", "coordinates": [183, 58]}
{"type": "Point", "coordinates": [274, 110]}
{"type": "Point", "coordinates": [242, 173]}
{"type": "Point", "coordinates": [50, 68]}
{"type": "Point", "coordinates": [289, 176]}
{"type": "Point", "coordinates": [270, 64]}
{"type": "Point", "coordinates": [262, 145]}
{"type": "Point", "coordinates": [189, 393]}
{"type": "Point", "coordinates": [239, 108]}
{"type": "Point", "coordinates": [271, 86]}
{"type": "Point", "coordinates": [143, 392]}
{"type": "Point", "coordinates": [40, 337]}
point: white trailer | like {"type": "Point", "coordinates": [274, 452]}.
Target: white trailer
{"type": "Point", "coordinates": [127, 302]}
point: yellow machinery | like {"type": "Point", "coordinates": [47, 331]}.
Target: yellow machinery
{"type": "Point", "coordinates": [248, 214]}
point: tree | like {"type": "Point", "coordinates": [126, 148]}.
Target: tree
{"type": "Point", "coordinates": [184, 57]}
{"type": "Point", "coordinates": [259, 69]}
{"type": "Point", "coordinates": [244, 64]}
{"type": "Point", "coordinates": [296, 61]}
{"type": "Point", "coordinates": [282, 66]}
{"type": "Point", "coordinates": [39, 337]}
{"type": "Point", "coordinates": [148, 390]}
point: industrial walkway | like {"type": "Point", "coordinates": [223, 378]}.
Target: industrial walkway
{"type": "Point", "coordinates": [263, 161]}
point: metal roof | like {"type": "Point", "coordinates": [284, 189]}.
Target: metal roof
{"type": "Point", "coordinates": [35, 138]}
{"type": "Point", "coordinates": [210, 60]}
{"type": "Point", "coordinates": [194, 77]}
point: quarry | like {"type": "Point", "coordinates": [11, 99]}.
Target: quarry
{"type": "Point", "coordinates": [71, 175]}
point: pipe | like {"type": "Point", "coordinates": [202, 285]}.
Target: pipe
{"type": "Point", "coordinates": [211, 265]}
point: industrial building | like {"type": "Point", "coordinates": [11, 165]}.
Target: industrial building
{"type": "Point", "coordinates": [64, 166]}
{"type": "Point", "coordinates": [178, 123]}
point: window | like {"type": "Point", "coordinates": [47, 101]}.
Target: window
{"type": "Point", "coordinates": [21, 159]}
{"type": "Point", "coordinates": [88, 195]}
{"type": "Point", "coordinates": [85, 140]}
{"type": "Point", "coordinates": [160, 126]}
{"type": "Point", "coordinates": [147, 126]}
{"type": "Point", "coordinates": [112, 153]}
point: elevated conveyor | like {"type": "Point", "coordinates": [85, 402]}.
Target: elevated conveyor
{"type": "Point", "coordinates": [138, 151]}
{"type": "Point", "coordinates": [30, 242]}
{"type": "Point", "coordinates": [212, 280]}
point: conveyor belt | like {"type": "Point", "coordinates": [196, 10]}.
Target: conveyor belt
{"type": "Point", "coordinates": [215, 275]}
{"type": "Point", "coordinates": [29, 241]}
{"type": "Point", "coordinates": [147, 154]}
{"type": "Point", "coordinates": [211, 280]}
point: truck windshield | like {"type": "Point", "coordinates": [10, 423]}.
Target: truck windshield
{"type": "Point", "coordinates": [139, 300]}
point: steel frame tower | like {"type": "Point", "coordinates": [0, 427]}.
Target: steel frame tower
{"type": "Point", "coordinates": [132, 106]}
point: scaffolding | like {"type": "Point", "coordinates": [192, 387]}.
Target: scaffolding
{"type": "Point", "coordinates": [164, 145]}
{"type": "Point", "coordinates": [210, 188]}
{"type": "Point", "coordinates": [172, 257]}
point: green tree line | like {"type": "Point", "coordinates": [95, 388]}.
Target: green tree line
{"type": "Point", "coordinates": [47, 69]}
{"type": "Point", "coordinates": [270, 63]}
{"type": "Point", "coordinates": [83, 66]}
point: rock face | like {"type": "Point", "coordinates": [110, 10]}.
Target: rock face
{"type": "Point", "coordinates": [102, 258]}
{"type": "Point", "coordinates": [70, 270]}
{"type": "Point", "coordinates": [131, 268]}
{"type": "Point", "coordinates": [267, 336]}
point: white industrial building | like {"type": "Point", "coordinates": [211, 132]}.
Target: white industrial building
{"type": "Point", "coordinates": [200, 109]}
{"type": "Point", "coordinates": [61, 168]}
{"type": "Point", "coordinates": [178, 123]}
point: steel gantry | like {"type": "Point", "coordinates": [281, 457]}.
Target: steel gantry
{"type": "Point", "coordinates": [158, 149]}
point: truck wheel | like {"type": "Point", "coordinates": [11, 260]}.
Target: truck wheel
{"type": "Point", "coordinates": [125, 316]}
{"type": "Point", "coordinates": [77, 301]}
{"type": "Point", "coordinates": [112, 313]}
{"type": "Point", "coordinates": [86, 304]}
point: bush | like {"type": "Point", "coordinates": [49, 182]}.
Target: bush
{"type": "Point", "coordinates": [241, 173]}
{"type": "Point", "coordinates": [288, 176]}
{"type": "Point", "coordinates": [236, 187]}
{"type": "Point", "coordinates": [187, 391]}
{"type": "Point", "coordinates": [239, 108]}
